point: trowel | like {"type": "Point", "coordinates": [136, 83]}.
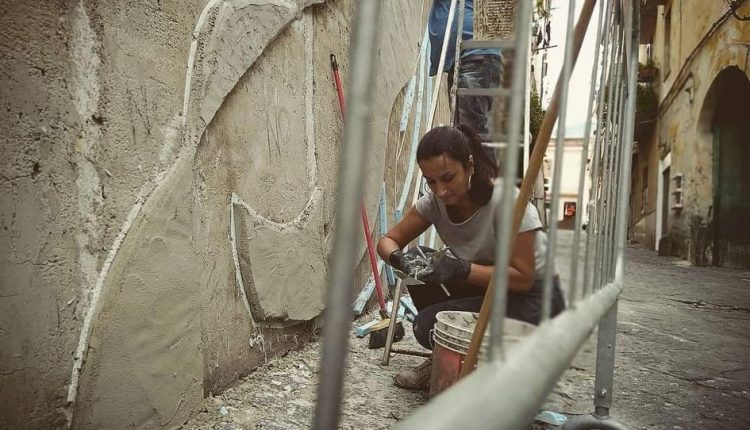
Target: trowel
{"type": "Point", "coordinates": [409, 281]}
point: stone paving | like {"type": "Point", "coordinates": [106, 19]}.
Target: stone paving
{"type": "Point", "coordinates": [682, 362]}
{"type": "Point", "coordinates": [683, 347]}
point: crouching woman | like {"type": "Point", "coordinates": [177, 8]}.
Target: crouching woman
{"type": "Point", "coordinates": [462, 206]}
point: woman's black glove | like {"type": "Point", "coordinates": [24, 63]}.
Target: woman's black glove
{"type": "Point", "coordinates": [412, 261]}
{"type": "Point", "coordinates": [445, 269]}
{"type": "Point", "coordinates": [401, 261]}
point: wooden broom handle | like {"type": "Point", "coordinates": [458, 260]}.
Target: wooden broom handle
{"type": "Point", "coordinates": [527, 185]}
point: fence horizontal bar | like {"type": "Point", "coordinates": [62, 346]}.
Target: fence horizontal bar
{"type": "Point", "coordinates": [483, 399]}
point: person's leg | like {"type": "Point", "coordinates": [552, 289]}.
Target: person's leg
{"type": "Point", "coordinates": [426, 318]}
{"type": "Point", "coordinates": [525, 307]}
{"type": "Point", "coordinates": [528, 307]}
{"type": "Point", "coordinates": [419, 377]}
{"type": "Point", "coordinates": [424, 296]}
{"type": "Point", "coordinates": [474, 110]}
{"type": "Point", "coordinates": [558, 300]}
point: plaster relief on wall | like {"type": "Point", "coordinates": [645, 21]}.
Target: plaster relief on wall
{"type": "Point", "coordinates": [265, 164]}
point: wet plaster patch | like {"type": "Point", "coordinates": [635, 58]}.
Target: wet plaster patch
{"type": "Point", "coordinates": [282, 263]}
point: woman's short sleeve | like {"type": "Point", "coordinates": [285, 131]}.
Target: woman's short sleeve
{"type": "Point", "coordinates": [531, 220]}
{"type": "Point", "coordinates": [427, 207]}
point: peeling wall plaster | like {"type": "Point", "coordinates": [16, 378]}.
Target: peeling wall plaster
{"type": "Point", "coordinates": [691, 143]}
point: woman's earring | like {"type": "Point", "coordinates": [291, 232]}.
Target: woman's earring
{"type": "Point", "coordinates": [470, 174]}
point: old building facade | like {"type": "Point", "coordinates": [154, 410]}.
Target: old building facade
{"type": "Point", "coordinates": [691, 163]}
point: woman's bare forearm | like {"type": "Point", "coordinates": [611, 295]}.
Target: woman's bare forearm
{"type": "Point", "coordinates": [386, 246]}
{"type": "Point", "coordinates": [481, 275]}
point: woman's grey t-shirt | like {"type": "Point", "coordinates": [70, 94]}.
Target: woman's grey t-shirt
{"type": "Point", "coordinates": [475, 239]}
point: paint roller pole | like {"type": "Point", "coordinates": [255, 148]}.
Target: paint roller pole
{"type": "Point", "coordinates": [349, 192]}
{"type": "Point", "coordinates": [362, 208]}
{"type": "Point", "coordinates": [339, 86]}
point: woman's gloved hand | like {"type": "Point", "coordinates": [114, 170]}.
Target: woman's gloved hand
{"type": "Point", "coordinates": [402, 261]}
{"type": "Point", "coordinates": [446, 269]}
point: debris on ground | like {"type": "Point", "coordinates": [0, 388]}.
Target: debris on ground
{"type": "Point", "coordinates": [281, 395]}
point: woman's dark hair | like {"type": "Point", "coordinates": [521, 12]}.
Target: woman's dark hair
{"type": "Point", "coordinates": [459, 142]}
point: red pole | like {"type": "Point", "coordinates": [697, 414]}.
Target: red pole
{"type": "Point", "coordinates": [339, 86]}
{"type": "Point", "coordinates": [362, 208]}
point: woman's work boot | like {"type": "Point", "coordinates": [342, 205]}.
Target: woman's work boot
{"type": "Point", "coordinates": [417, 378]}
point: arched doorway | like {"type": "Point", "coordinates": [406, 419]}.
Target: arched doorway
{"type": "Point", "coordinates": [728, 103]}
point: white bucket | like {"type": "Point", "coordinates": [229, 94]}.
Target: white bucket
{"type": "Point", "coordinates": [453, 330]}
{"type": "Point", "coordinates": [452, 335]}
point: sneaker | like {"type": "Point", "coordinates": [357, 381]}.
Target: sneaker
{"type": "Point", "coordinates": [417, 378]}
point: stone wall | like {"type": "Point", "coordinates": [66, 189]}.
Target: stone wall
{"type": "Point", "coordinates": [695, 61]}
{"type": "Point", "coordinates": [168, 175]}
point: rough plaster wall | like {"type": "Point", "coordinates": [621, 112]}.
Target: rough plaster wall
{"type": "Point", "coordinates": [691, 142]}
{"type": "Point", "coordinates": [271, 168]}
{"type": "Point", "coordinates": [691, 19]}
{"type": "Point", "coordinates": [39, 262]}
{"type": "Point", "coordinates": [63, 119]}
{"type": "Point", "coordinates": [397, 53]}
{"type": "Point", "coordinates": [196, 246]}
{"type": "Point", "coordinates": [123, 142]}
{"type": "Point", "coordinates": [144, 363]}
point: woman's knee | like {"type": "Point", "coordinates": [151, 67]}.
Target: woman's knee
{"type": "Point", "coordinates": [423, 326]}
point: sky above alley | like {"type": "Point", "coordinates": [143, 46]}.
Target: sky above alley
{"type": "Point", "coordinates": [581, 78]}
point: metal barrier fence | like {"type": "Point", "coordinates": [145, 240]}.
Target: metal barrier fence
{"type": "Point", "coordinates": [507, 391]}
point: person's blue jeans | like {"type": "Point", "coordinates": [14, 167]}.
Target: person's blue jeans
{"type": "Point", "coordinates": [482, 71]}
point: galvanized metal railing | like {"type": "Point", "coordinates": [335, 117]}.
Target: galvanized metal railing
{"type": "Point", "coordinates": [507, 391]}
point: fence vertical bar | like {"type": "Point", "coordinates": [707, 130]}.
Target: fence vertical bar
{"type": "Point", "coordinates": [603, 184]}
{"type": "Point", "coordinates": [608, 326]}
{"type": "Point", "coordinates": [535, 165]}
{"type": "Point", "coordinates": [557, 170]}
{"type": "Point", "coordinates": [629, 123]}
{"type": "Point", "coordinates": [610, 162]}
{"type": "Point", "coordinates": [614, 169]}
{"type": "Point", "coordinates": [619, 153]}
{"type": "Point", "coordinates": [584, 157]}
{"type": "Point", "coordinates": [607, 68]}
{"type": "Point", "coordinates": [349, 190]}
{"type": "Point", "coordinates": [505, 214]}
{"type": "Point", "coordinates": [608, 192]}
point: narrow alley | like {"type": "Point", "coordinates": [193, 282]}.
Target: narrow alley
{"type": "Point", "coordinates": [683, 338]}
{"type": "Point", "coordinates": [202, 201]}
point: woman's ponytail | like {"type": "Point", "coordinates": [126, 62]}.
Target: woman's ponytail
{"type": "Point", "coordinates": [484, 168]}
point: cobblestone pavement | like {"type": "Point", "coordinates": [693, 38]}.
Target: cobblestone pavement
{"type": "Point", "coordinates": [683, 347]}
{"type": "Point", "coordinates": [682, 362]}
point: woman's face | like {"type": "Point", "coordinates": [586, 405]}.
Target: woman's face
{"type": "Point", "coordinates": [447, 177]}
